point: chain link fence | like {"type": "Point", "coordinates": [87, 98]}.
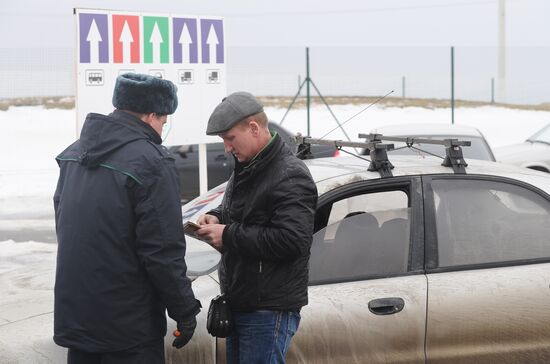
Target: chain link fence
{"type": "Point", "coordinates": [412, 72]}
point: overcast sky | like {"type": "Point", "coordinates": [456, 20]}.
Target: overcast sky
{"type": "Point", "coordinates": [38, 23]}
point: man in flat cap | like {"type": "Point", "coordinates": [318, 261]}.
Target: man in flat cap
{"type": "Point", "coordinates": [264, 228]}
{"type": "Point", "coordinates": [121, 248]}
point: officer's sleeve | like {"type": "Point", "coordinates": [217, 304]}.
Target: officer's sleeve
{"type": "Point", "coordinates": [161, 241]}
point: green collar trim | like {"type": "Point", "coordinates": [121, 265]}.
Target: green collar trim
{"type": "Point", "coordinates": [106, 166]}
{"type": "Point", "coordinates": [123, 172]}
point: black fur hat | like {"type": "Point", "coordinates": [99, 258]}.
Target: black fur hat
{"type": "Point", "coordinates": [145, 94]}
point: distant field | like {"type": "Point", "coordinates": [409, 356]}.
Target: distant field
{"type": "Point", "coordinates": [67, 102]}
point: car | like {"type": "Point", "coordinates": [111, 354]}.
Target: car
{"type": "Point", "coordinates": [220, 164]}
{"type": "Point", "coordinates": [479, 149]}
{"type": "Point", "coordinates": [416, 261]}
{"type": "Point", "coordinates": [534, 153]}
{"type": "Point", "coordinates": [424, 264]}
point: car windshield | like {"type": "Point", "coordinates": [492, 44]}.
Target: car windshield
{"type": "Point", "coordinates": [542, 136]}
{"type": "Point", "coordinates": [478, 150]}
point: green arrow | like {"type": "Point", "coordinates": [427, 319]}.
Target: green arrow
{"type": "Point", "coordinates": [155, 39]}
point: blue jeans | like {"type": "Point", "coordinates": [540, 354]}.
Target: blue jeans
{"type": "Point", "coordinates": [261, 337]}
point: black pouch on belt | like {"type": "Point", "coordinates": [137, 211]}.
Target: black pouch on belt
{"type": "Point", "coordinates": [219, 322]}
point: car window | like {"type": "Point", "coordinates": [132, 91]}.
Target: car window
{"type": "Point", "coordinates": [366, 236]}
{"type": "Point", "coordinates": [215, 147]}
{"type": "Point", "coordinates": [478, 150]}
{"type": "Point", "coordinates": [488, 221]}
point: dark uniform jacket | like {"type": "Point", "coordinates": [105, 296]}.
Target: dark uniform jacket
{"type": "Point", "coordinates": [120, 259]}
{"type": "Point", "coordinates": [269, 208]}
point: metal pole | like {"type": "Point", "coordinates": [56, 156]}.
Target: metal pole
{"type": "Point", "coordinates": [492, 90]}
{"type": "Point", "coordinates": [403, 86]}
{"type": "Point", "coordinates": [452, 85]}
{"type": "Point", "coordinates": [501, 80]}
{"type": "Point", "coordinates": [307, 88]}
{"type": "Point", "coordinates": [292, 103]}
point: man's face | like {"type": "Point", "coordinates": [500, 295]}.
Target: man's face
{"type": "Point", "coordinates": [157, 122]}
{"type": "Point", "coordinates": [241, 141]}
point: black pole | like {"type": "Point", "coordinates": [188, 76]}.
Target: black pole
{"type": "Point", "coordinates": [452, 85]}
{"type": "Point", "coordinates": [307, 88]}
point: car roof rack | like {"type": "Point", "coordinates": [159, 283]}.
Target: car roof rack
{"type": "Point", "coordinates": [378, 150]}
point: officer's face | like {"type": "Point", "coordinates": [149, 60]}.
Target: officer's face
{"type": "Point", "coordinates": [157, 122]}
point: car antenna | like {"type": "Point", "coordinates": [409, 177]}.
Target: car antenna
{"type": "Point", "coordinates": [305, 149]}
{"type": "Point", "coordinates": [364, 109]}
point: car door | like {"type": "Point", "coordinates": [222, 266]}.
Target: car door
{"type": "Point", "coordinates": [488, 265]}
{"type": "Point", "coordinates": [367, 294]}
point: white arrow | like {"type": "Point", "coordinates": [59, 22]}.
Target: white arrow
{"type": "Point", "coordinates": [156, 40]}
{"type": "Point", "coordinates": [94, 37]}
{"type": "Point", "coordinates": [212, 41]}
{"type": "Point", "coordinates": [185, 41]}
{"type": "Point", "coordinates": [126, 39]}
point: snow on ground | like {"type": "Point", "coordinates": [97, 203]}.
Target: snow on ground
{"type": "Point", "coordinates": [33, 136]}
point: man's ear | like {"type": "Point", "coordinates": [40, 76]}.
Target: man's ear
{"type": "Point", "coordinates": [254, 127]}
{"type": "Point", "coordinates": [148, 118]}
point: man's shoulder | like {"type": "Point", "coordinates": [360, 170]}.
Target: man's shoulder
{"type": "Point", "coordinates": [147, 148]}
{"type": "Point", "coordinates": [294, 164]}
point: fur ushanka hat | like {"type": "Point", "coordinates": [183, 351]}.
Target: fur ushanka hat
{"type": "Point", "coordinates": [145, 94]}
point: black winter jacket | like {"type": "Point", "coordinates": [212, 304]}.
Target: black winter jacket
{"type": "Point", "coordinates": [268, 207]}
{"type": "Point", "coordinates": [120, 259]}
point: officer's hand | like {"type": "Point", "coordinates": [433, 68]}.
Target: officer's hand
{"type": "Point", "coordinates": [184, 332]}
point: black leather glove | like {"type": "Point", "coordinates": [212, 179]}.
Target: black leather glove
{"type": "Point", "coordinates": [184, 333]}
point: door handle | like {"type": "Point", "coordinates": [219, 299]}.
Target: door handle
{"type": "Point", "coordinates": [386, 306]}
{"type": "Point", "coordinates": [221, 157]}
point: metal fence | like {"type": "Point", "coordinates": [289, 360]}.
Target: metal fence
{"type": "Point", "coordinates": [416, 72]}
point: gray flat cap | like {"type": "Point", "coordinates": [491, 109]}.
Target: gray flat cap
{"type": "Point", "coordinates": [234, 108]}
{"type": "Point", "coordinates": [145, 94]}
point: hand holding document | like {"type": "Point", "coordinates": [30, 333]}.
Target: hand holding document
{"type": "Point", "coordinates": [190, 228]}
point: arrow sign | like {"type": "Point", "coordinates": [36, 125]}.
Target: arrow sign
{"type": "Point", "coordinates": [155, 39]}
{"type": "Point", "coordinates": [94, 42]}
{"type": "Point", "coordinates": [185, 40]}
{"type": "Point", "coordinates": [125, 39]}
{"type": "Point", "coordinates": [212, 41]}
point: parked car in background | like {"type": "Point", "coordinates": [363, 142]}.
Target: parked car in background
{"type": "Point", "coordinates": [479, 149]}
{"type": "Point", "coordinates": [423, 265]}
{"type": "Point", "coordinates": [533, 153]}
{"type": "Point", "coordinates": [220, 164]}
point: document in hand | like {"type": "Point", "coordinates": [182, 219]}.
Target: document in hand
{"type": "Point", "coordinates": [190, 228]}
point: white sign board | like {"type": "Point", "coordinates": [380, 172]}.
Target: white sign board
{"type": "Point", "coordinates": [187, 50]}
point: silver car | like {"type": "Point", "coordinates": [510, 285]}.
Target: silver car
{"type": "Point", "coordinates": [534, 153]}
{"type": "Point", "coordinates": [422, 265]}
{"type": "Point", "coordinates": [479, 149]}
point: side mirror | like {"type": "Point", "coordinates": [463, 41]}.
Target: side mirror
{"type": "Point", "coordinates": [184, 149]}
